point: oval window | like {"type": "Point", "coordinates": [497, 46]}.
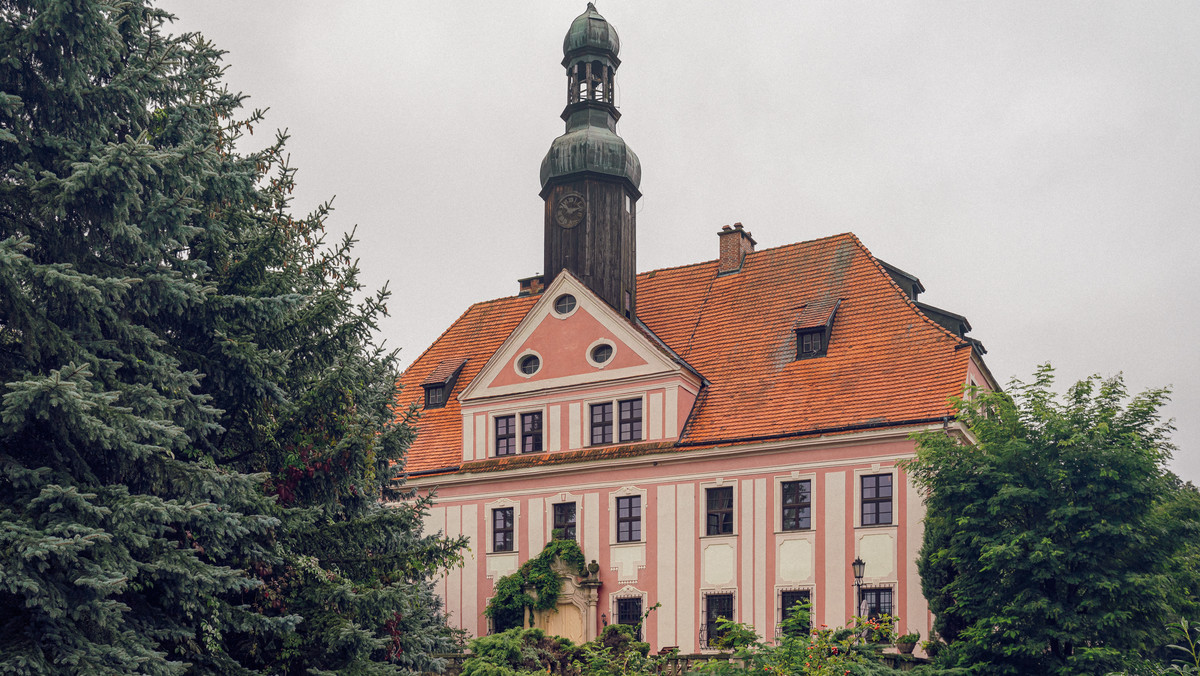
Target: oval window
{"type": "Point", "coordinates": [602, 353]}
{"type": "Point", "coordinates": [529, 364]}
{"type": "Point", "coordinates": [564, 304]}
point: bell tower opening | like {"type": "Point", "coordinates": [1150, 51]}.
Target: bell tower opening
{"type": "Point", "coordinates": [590, 176]}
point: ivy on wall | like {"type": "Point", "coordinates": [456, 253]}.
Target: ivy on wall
{"type": "Point", "coordinates": [534, 585]}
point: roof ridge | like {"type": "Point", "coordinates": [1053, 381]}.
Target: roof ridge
{"type": "Point", "coordinates": [713, 261]}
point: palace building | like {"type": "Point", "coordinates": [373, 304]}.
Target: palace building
{"type": "Point", "coordinates": [721, 438]}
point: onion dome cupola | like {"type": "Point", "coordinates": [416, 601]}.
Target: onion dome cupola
{"type": "Point", "coordinates": [590, 176]}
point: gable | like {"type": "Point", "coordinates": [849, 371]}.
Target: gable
{"type": "Point", "coordinates": [563, 344]}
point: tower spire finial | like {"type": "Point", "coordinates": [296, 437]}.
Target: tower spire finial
{"type": "Point", "coordinates": [590, 176]}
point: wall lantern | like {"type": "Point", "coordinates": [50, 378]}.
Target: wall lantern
{"type": "Point", "coordinates": [859, 567]}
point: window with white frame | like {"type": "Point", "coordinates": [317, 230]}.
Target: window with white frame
{"type": "Point", "coordinates": [719, 511]}
{"type": "Point", "coordinates": [629, 612]}
{"type": "Point", "coordinates": [522, 432]}
{"type": "Point", "coordinates": [602, 423]}
{"type": "Point", "coordinates": [716, 608]}
{"type": "Point", "coordinates": [502, 530]}
{"type": "Point", "coordinates": [876, 496]}
{"type": "Point", "coordinates": [506, 435]}
{"type": "Point", "coordinates": [791, 603]}
{"type": "Point", "coordinates": [564, 521]}
{"type": "Point", "coordinates": [624, 427]}
{"type": "Point", "coordinates": [875, 602]}
{"type": "Point", "coordinates": [630, 420]}
{"type": "Point", "coordinates": [796, 505]}
{"type": "Point", "coordinates": [629, 518]}
{"type": "Point", "coordinates": [531, 432]}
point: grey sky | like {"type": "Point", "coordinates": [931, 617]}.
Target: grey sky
{"type": "Point", "coordinates": [1036, 164]}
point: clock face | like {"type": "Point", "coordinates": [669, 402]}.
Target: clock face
{"type": "Point", "coordinates": [570, 210]}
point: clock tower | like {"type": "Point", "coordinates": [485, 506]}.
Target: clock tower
{"type": "Point", "coordinates": [590, 176]}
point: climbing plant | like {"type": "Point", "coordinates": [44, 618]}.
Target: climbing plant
{"type": "Point", "coordinates": [534, 585]}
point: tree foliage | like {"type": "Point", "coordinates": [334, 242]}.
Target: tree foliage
{"type": "Point", "coordinates": [1053, 532]}
{"type": "Point", "coordinates": [196, 428]}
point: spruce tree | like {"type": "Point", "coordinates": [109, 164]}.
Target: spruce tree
{"type": "Point", "coordinates": [196, 428]}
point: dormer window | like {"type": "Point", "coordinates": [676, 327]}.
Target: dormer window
{"type": "Point", "coordinates": [440, 382]}
{"type": "Point", "coordinates": [814, 327]}
{"type": "Point", "coordinates": [811, 344]}
{"type": "Point", "coordinates": [435, 396]}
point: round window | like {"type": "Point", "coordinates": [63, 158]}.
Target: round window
{"type": "Point", "coordinates": [529, 364]}
{"type": "Point", "coordinates": [564, 304]}
{"type": "Point", "coordinates": [601, 353]}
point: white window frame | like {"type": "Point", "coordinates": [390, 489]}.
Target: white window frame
{"type": "Point", "coordinates": [705, 592]}
{"type": "Point", "coordinates": [516, 412]}
{"type": "Point", "coordinates": [628, 592]}
{"type": "Point", "coordinates": [812, 604]}
{"type": "Point", "coordinates": [489, 532]}
{"type": "Point", "coordinates": [702, 508]}
{"type": "Point", "coordinates": [516, 363]}
{"type": "Point", "coordinates": [559, 498]}
{"type": "Point", "coordinates": [554, 310]}
{"type": "Point", "coordinates": [877, 468]}
{"type": "Point", "coordinates": [616, 422]}
{"type": "Point", "coordinates": [595, 343]}
{"type": "Point", "coordinates": [795, 475]}
{"type": "Point", "coordinates": [624, 492]}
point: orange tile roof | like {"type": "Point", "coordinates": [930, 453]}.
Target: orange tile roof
{"type": "Point", "coordinates": [444, 371]}
{"type": "Point", "coordinates": [474, 336]}
{"type": "Point", "coordinates": [816, 314]}
{"type": "Point", "coordinates": [886, 362]}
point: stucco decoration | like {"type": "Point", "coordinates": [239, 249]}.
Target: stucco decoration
{"type": "Point", "coordinates": [878, 550]}
{"type": "Point", "coordinates": [575, 615]}
{"type": "Point", "coordinates": [627, 560]}
{"type": "Point", "coordinates": [499, 565]}
{"type": "Point", "coordinates": [719, 564]}
{"type": "Point", "coordinates": [795, 559]}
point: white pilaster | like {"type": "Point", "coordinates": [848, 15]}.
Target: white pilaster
{"type": "Point", "coordinates": [555, 429]}
{"type": "Point", "coordinates": [746, 542]}
{"type": "Point", "coordinates": [664, 529]}
{"type": "Point", "coordinates": [470, 571]}
{"type": "Point", "coordinates": [763, 617]}
{"type": "Point", "coordinates": [575, 421]}
{"type": "Point", "coordinates": [833, 603]}
{"type": "Point", "coordinates": [686, 625]}
{"type": "Point", "coordinates": [591, 531]}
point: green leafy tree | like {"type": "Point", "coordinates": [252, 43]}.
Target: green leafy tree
{"type": "Point", "coordinates": [196, 430]}
{"type": "Point", "coordinates": [1052, 530]}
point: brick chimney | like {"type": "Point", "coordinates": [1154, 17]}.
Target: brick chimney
{"type": "Point", "coordinates": [532, 286]}
{"type": "Point", "coordinates": [735, 244]}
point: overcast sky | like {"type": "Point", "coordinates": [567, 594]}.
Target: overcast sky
{"type": "Point", "coordinates": [1036, 164]}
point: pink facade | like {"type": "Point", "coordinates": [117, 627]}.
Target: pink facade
{"type": "Point", "coordinates": [721, 437]}
{"type": "Point", "coordinates": [674, 562]}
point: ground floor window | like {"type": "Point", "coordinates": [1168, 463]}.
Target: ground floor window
{"type": "Point", "coordinates": [875, 602]}
{"type": "Point", "coordinates": [716, 606]}
{"type": "Point", "coordinates": [629, 611]}
{"type": "Point", "coordinates": [789, 605]}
